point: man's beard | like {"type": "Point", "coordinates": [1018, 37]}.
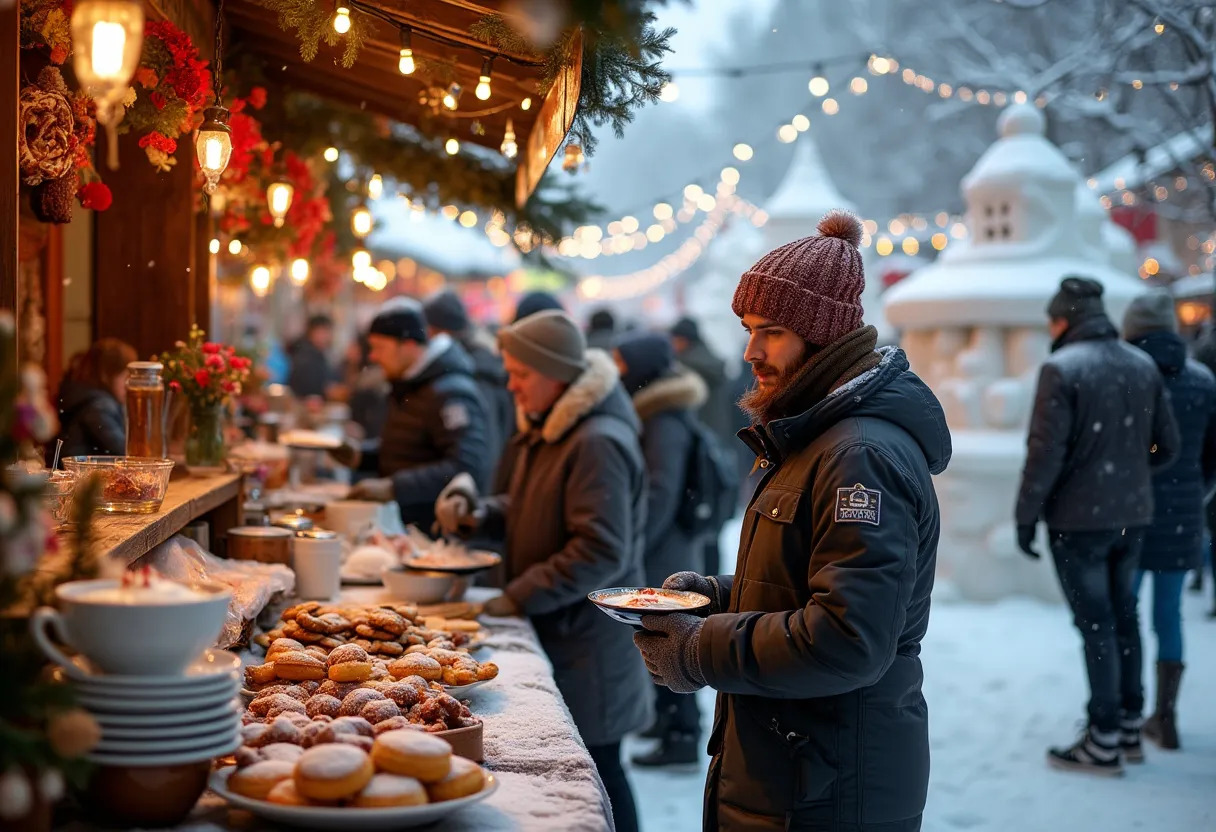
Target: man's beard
{"type": "Point", "coordinates": [758, 401]}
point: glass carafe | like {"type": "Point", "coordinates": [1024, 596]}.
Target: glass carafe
{"type": "Point", "coordinates": [145, 409]}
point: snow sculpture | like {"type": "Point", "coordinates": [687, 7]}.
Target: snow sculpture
{"type": "Point", "coordinates": [974, 327]}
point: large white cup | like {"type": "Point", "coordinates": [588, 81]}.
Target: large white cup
{"type": "Point", "coordinates": [317, 560]}
{"type": "Point", "coordinates": [131, 632]}
{"type": "Point", "coordinates": [349, 517]}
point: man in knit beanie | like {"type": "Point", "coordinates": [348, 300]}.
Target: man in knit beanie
{"type": "Point", "coordinates": [1100, 426]}
{"type": "Point", "coordinates": [572, 520]}
{"type": "Point", "coordinates": [814, 643]}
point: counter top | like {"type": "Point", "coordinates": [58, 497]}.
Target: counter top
{"type": "Point", "coordinates": [129, 536]}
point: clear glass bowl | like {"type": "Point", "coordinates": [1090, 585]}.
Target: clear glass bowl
{"type": "Point", "coordinates": [130, 484]}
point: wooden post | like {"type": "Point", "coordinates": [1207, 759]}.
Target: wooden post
{"type": "Point", "coordinates": [10, 80]}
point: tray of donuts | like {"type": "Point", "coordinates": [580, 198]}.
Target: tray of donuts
{"type": "Point", "coordinates": [403, 778]}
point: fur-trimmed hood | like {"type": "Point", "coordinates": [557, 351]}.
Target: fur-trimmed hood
{"type": "Point", "coordinates": [592, 391]}
{"type": "Point", "coordinates": [683, 390]}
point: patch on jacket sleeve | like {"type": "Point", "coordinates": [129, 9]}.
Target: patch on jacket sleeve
{"type": "Point", "coordinates": [858, 504]}
{"type": "Point", "coordinates": [455, 416]}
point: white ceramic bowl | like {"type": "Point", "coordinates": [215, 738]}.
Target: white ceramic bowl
{"type": "Point", "coordinates": [419, 587]}
{"type": "Point", "coordinates": [131, 639]}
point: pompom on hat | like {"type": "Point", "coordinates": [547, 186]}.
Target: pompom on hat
{"type": "Point", "coordinates": [812, 286]}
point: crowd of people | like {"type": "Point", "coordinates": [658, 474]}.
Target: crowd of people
{"type": "Point", "coordinates": [608, 458]}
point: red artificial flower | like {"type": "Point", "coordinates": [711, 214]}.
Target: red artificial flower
{"type": "Point", "coordinates": [158, 100]}
{"type": "Point", "coordinates": [228, 387]}
{"type": "Point", "coordinates": [257, 98]}
{"type": "Point", "coordinates": [159, 141]}
{"type": "Point", "coordinates": [59, 54]}
{"type": "Point", "coordinates": [215, 362]}
{"type": "Point", "coordinates": [95, 196]}
{"type": "Point", "coordinates": [175, 386]}
{"type": "Point", "coordinates": [147, 77]}
{"type": "Point", "coordinates": [239, 363]}
{"type": "Point", "coordinates": [202, 378]}
{"type": "Point", "coordinates": [211, 348]}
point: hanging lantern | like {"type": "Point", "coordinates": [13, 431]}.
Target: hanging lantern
{"type": "Point", "coordinates": [361, 222]}
{"type": "Point", "coordinates": [509, 147]}
{"type": "Point", "coordinates": [574, 158]}
{"type": "Point", "coordinates": [300, 271]}
{"type": "Point", "coordinates": [278, 198]}
{"type": "Point", "coordinates": [213, 146]}
{"type": "Point", "coordinates": [259, 281]}
{"type": "Point", "coordinates": [107, 37]}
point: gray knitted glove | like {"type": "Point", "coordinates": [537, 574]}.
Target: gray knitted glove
{"type": "Point", "coordinates": [670, 647]}
{"type": "Point", "coordinates": [692, 582]}
{"type": "Point", "coordinates": [458, 509]}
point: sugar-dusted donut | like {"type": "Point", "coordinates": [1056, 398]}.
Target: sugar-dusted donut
{"type": "Point", "coordinates": [322, 704]}
{"type": "Point", "coordinates": [413, 754]}
{"type": "Point", "coordinates": [356, 699]}
{"type": "Point", "coordinates": [285, 794]}
{"type": "Point", "coordinates": [464, 778]}
{"type": "Point", "coordinates": [332, 772]}
{"type": "Point", "coordinates": [379, 710]}
{"type": "Point", "coordinates": [257, 780]}
{"type": "Point", "coordinates": [391, 790]}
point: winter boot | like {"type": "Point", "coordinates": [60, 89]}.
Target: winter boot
{"type": "Point", "coordinates": [675, 749]}
{"type": "Point", "coordinates": [1129, 739]}
{"type": "Point", "coordinates": [1162, 727]}
{"type": "Point", "coordinates": [1095, 752]}
{"type": "Point", "coordinates": [658, 728]}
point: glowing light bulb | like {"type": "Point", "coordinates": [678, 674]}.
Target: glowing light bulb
{"type": "Point", "coordinates": [330, 154]}
{"type": "Point", "coordinates": [342, 20]}
{"type": "Point", "coordinates": [801, 123]}
{"type": "Point", "coordinates": [361, 259]}
{"type": "Point", "coordinates": [234, 247]}
{"type": "Point", "coordinates": [669, 92]}
{"type": "Point", "coordinates": [468, 219]}
{"type": "Point", "coordinates": [483, 81]}
{"type": "Point", "coordinates": [361, 222]}
{"type": "Point", "coordinates": [259, 281]}
{"type": "Point", "coordinates": [858, 86]}
{"type": "Point", "coordinates": [662, 211]}
{"type": "Point", "coordinates": [818, 86]}
{"type": "Point", "coordinates": [299, 271]}
{"type": "Point", "coordinates": [405, 64]}
{"type": "Point", "coordinates": [509, 147]}
{"type": "Point", "coordinates": [526, 104]}
{"type": "Point", "coordinates": [375, 186]}
{"type": "Point", "coordinates": [787, 133]}
{"type": "Point", "coordinates": [452, 146]}
{"type": "Point", "coordinates": [213, 146]}
{"type": "Point", "coordinates": [278, 198]}
{"type": "Point", "coordinates": [830, 106]}
{"type": "Point", "coordinates": [743, 152]}
{"type": "Point", "coordinates": [451, 98]}
{"type": "Point", "coordinates": [729, 175]}
{"type": "Point", "coordinates": [214, 246]}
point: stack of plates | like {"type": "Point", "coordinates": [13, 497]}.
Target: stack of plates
{"type": "Point", "coordinates": [162, 720]}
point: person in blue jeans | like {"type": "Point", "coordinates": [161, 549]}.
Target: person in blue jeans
{"type": "Point", "coordinates": [1173, 544]}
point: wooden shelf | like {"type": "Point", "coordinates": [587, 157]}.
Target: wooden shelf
{"type": "Point", "coordinates": [130, 536]}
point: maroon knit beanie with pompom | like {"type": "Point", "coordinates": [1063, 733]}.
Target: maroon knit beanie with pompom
{"type": "Point", "coordinates": [813, 285]}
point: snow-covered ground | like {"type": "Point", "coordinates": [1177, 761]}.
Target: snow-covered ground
{"type": "Point", "coordinates": [1004, 681]}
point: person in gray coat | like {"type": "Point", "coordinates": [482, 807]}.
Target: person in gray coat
{"type": "Point", "coordinates": [666, 398]}
{"type": "Point", "coordinates": [573, 520]}
{"type": "Point", "coordinates": [1101, 425]}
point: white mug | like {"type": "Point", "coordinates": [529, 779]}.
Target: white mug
{"type": "Point", "coordinates": [350, 517]}
{"type": "Point", "coordinates": [125, 632]}
{"type": "Point", "coordinates": [317, 560]}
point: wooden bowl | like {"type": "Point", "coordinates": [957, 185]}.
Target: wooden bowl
{"type": "Point", "coordinates": [466, 742]}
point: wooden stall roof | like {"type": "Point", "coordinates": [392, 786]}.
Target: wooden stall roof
{"type": "Point", "coordinates": [375, 83]}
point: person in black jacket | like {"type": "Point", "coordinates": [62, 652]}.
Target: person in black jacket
{"type": "Point", "coordinates": [436, 423]}
{"type": "Point", "coordinates": [1174, 542]}
{"type": "Point", "coordinates": [91, 396]}
{"type": "Point", "coordinates": [311, 372]}
{"type": "Point", "coordinates": [666, 398]}
{"type": "Point", "coordinates": [446, 314]}
{"type": "Point", "coordinates": [814, 643]}
{"type": "Point", "coordinates": [1205, 354]}
{"type": "Point", "coordinates": [1101, 425]}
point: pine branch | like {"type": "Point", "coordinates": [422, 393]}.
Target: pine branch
{"type": "Point", "coordinates": [312, 22]}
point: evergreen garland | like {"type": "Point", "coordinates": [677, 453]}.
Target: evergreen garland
{"type": "Point", "coordinates": [313, 23]}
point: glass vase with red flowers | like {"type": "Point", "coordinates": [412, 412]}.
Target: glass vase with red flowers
{"type": "Point", "coordinates": [206, 375]}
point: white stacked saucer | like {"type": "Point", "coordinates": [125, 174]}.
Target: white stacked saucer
{"type": "Point", "coordinates": [162, 720]}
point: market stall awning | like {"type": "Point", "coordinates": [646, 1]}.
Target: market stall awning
{"type": "Point", "coordinates": [445, 51]}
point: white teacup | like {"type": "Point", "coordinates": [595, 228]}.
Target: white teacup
{"type": "Point", "coordinates": [350, 517]}
{"type": "Point", "coordinates": [132, 631]}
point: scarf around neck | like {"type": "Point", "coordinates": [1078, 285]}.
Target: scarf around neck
{"type": "Point", "coordinates": [838, 363]}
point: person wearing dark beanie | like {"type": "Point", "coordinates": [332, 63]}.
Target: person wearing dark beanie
{"type": "Point", "coordinates": [446, 313]}
{"type": "Point", "coordinates": [1100, 426]}
{"type": "Point", "coordinates": [436, 425]}
{"type": "Point", "coordinates": [836, 561]}
{"type": "Point", "coordinates": [1173, 543]}
{"type": "Point", "coordinates": [534, 302]}
{"type": "Point", "coordinates": [571, 516]}
{"type": "Point", "coordinates": [666, 398]}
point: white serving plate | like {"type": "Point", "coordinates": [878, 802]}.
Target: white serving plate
{"type": "Point", "coordinates": [158, 745]}
{"type": "Point", "coordinates": [461, 690]}
{"type": "Point", "coordinates": [211, 663]}
{"type": "Point", "coordinates": [346, 818]}
{"type": "Point", "coordinates": [171, 758]}
{"type": "Point", "coordinates": [193, 729]}
{"type": "Point", "coordinates": [165, 720]}
{"type": "Point", "coordinates": [111, 704]}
